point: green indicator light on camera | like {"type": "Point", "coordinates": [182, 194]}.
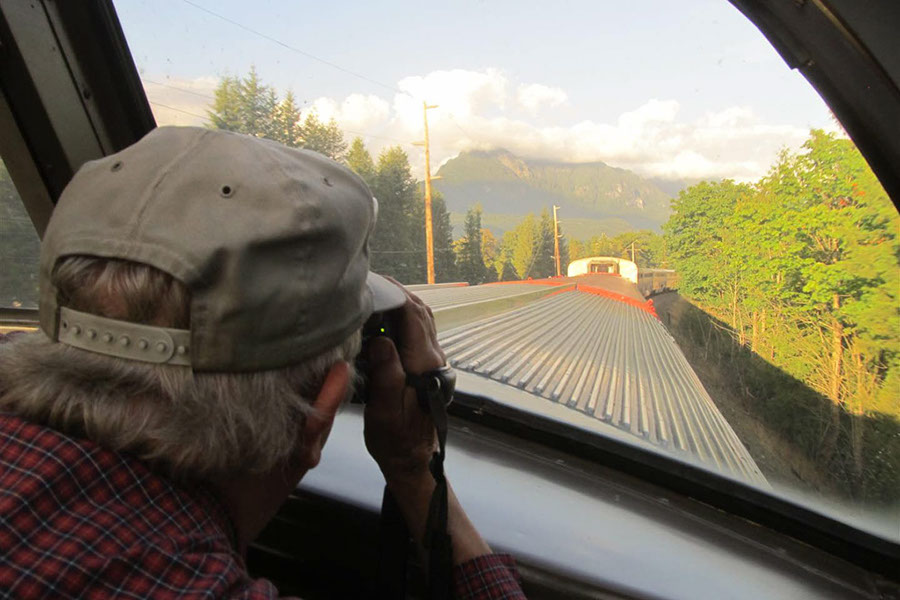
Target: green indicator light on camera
{"type": "Point", "coordinates": [382, 330]}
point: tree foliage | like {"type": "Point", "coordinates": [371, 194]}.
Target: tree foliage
{"type": "Point", "coordinates": [445, 269]}
{"type": "Point", "coordinates": [324, 138]}
{"type": "Point", "coordinates": [649, 248]}
{"type": "Point", "coordinates": [360, 161]}
{"type": "Point", "coordinates": [398, 245]}
{"type": "Point", "coordinates": [526, 251]}
{"type": "Point", "coordinates": [804, 268]}
{"type": "Point", "coordinates": [395, 243]}
{"type": "Point", "coordinates": [247, 105]}
{"type": "Point", "coordinates": [470, 258]}
{"type": "Point", "coordinates": [19, 249]}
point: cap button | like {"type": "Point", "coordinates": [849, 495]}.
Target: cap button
{"type": "Point", "coordinates": [124, 341]}
{"type": "Point", "coordinates": [161, 347]}
{"type": "Point", "coordinates": [107, 337]}
{"type": "Point", "coordinates": [143, 344]}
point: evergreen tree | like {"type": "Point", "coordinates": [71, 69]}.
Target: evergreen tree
{"type": "Point", "coordinates": [563, 253]}
{"type": "Point", "coordinates": [258, 110]}
{"type": "Point", "coordinates": [394, 242]}
{"type": "Point", "coordinates": [544, 261]}
{"type": "Point", "coordinates": [508, 272]}
{"type": "Point", "coordinates": [506, 256]}
{"type": "Point", "coordinates": [324, 138]}
{"type": "Point", "coordinates": [471, 260]}
{"type": "Point", "coordinates": [247, 105]}
{"type": "Point", "coordinates": [227, 110]}
{"type": "Point", "coordinates": [360, 161]}
{"type": "Point", "coordinates": [286, 122]}
{"type": "Point", "coordinates": [244, 105]}
{"type": "Point", "coordinates": [444, 257]}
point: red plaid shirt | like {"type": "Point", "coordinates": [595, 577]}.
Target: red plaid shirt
{"type": "Point", "coordinates": [77, 520]}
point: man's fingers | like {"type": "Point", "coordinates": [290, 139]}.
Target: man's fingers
{"type": "Point", "coordinates": [386, 376]}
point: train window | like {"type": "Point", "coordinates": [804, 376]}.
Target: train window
{"type": "Point", "coordinates": [582, 164]}
{"type": "Point", "coordinates": [19, 249]}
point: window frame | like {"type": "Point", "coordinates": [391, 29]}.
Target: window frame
{"type": "Point", "coordinates": [98, 78]}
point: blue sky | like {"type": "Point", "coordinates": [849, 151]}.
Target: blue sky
{"type": "Point", "coordinates": [687, 88]}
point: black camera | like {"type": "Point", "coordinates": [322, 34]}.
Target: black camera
{"type": "Point", "coordinates": [383, 324]}
{"type": "Point", "coordinates": [440, 382]}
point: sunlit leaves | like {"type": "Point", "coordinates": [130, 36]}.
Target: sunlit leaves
{"type": "Point", "coordinates": [814, 247]}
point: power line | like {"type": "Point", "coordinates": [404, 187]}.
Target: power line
{"type": "Point", "coordinates": [180, 89]}
{"type": "Point", "coordinates": [207, 96]}
{"type": "Point", "coordinates": [297, 50]}
{"type": "Point", "coordinates": [381, 137]}
{"type": "Point", "coordinates": [187, 112]}
{"type": "Point", "coordinates": [407, 251]}
{"type": "Point", "coordinates": [458, 126]}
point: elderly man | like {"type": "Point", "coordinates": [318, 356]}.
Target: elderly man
{"type": "Point", "coordinates": [202, 295]}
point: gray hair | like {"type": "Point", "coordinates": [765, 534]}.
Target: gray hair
{"type": "Point", "coordinates": [191, 426]}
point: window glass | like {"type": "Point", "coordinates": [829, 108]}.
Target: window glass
{"type": "Point", "coordinates": [644, 224]}
{"type": "Point", "coordinates": [19, 249]}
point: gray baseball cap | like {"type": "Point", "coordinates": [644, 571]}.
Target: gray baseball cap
{"type": "Point", "coordinates": [271, 241]}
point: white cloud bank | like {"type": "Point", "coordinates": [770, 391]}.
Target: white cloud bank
{"type": "Point", "coordinates": [484, 110]}
{"type": "Point", "coordinates": [534, 95]}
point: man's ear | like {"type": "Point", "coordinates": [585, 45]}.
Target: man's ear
{"type": "Point", "coordinates": [325, 408]}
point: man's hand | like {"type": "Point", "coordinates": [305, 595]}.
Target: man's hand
{"type": "Point", "coordinates": [399, 435]}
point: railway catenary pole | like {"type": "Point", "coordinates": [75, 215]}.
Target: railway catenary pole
{"type": "Point", "coordinates": [556, 239]}
{"type": "Point", "coordinates": [429, 227]}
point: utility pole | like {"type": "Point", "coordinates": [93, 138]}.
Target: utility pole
{"type": "Point", "coordinates": [632, 251]}
{"type": "Point", "coordinates": [556, 238]}
{"type": "Point", "coordinates": [429, 227]}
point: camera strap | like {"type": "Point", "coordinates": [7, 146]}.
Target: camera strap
{"type": "Point", "coordinates": [437, 538]}
{"type": "Point", "coordinates": [392, 571]}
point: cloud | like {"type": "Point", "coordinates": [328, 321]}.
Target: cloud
{"type": "Point", "coordinates": [486, 109]}
{"type": "Point", "coordinates": [532, 97]}
{"type": "Point", "coordinates": [460, 92]}
{"type": "Point", "coordinates": [355, 112]}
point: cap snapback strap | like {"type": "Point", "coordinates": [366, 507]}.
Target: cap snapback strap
{"type": "Point", "coordinates": [123, 339]}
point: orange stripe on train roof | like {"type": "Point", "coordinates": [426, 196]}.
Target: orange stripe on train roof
{"type": "Point", "coordinates": [646, 306]}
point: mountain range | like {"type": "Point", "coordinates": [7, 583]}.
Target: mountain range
{"type": "Point", "coordinates": [593, 197]}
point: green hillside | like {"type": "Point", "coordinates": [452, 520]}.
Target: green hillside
{"type": "Point", "coordinates": [505, 184]}
{"type": "Point", "coordinates": [573, 228]}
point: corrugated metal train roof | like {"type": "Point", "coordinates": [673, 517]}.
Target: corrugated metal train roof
{"type": "Point", "coordinates": [438, 298]}
{"type": "Point", "coordinates": [603, 358]}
